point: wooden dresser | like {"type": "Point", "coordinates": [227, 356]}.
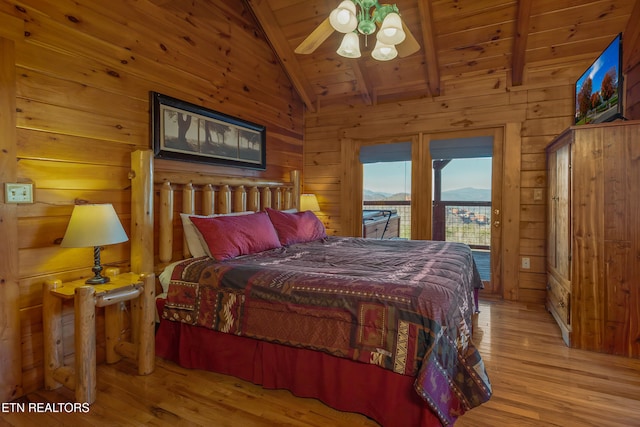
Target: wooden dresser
{"type": "Point", "coordinates": [593, 236]}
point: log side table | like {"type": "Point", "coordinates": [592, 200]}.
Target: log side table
{"type": "Point", "coordinates": [139, 289]}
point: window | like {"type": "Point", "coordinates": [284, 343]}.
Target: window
{"type": "Point", "coordinates": [467, 179]}
{"type": "Point", "coordinates": [387, 186]}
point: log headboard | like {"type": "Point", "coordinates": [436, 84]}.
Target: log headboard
{"type": "Point", "coordinates": [193, 193]}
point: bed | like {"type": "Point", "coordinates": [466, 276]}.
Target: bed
{"type": "Point", "coordinates": [379, 327]}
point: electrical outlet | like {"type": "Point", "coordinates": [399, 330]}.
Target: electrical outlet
{"type": "Point", "coordinates": [526, 263]}
{"type": "Point", "coordinates": [537, 194]}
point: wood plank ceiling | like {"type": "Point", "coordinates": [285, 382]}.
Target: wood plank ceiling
{"type": "Point", "coordinates": [459, 39]}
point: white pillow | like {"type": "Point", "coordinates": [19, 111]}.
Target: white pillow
{"type": "Point", "coordinates": [165, 277]}
{"type": "Point", "coordinates": [195, 243]}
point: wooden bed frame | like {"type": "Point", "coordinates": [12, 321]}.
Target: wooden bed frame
{"type": "Point", "coordinates": [194, 193]}
{"type": "Point", "coordinates": [271, 365]}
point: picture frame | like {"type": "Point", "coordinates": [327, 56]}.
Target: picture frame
{"type": "Point", "coordinates": [188, 132]}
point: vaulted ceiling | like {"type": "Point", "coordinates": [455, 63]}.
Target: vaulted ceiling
{"type": "Point", "coordinates": [459, 39]}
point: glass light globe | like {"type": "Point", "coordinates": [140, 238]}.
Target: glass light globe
{"type": "Point", "coordinates": [350, 46]}
{"type": "Point", "coordinates": [391, 31]}
{"type": "Point", "coordinates": [384, 52]}
{"type": "Point", "coordinates": [343, 18]}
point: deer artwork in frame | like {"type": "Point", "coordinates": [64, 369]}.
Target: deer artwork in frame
{"type": "Point", "coordinates": [188, 132]}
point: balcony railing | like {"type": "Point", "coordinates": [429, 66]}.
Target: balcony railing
{"type": "Point", "coordinates": [467, 222]}
{"type": "Point", "coordinates": [456, 221]}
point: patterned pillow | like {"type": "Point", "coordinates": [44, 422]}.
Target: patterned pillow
{"type": "Point", "coordinates": [232, 236]}
{"type": "Point", "coordinates": [296, 227]}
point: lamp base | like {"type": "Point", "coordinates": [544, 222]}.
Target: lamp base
{"type": "Point", "coordinates": [97, 280]}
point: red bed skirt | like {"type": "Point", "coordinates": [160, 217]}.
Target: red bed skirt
{"type": "Point", "coordinates": [345, 385]}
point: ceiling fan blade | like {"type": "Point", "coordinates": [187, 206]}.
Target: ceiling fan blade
{"type": "Point", "coordinates": [316, 38]}
{"type": "Point", "coordinates": [409, 46]}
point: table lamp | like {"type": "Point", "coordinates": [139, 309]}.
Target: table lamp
{"type": "Point", "coordinates": [94, 225]}
{"type": "Point", "coordinates": [309, 202]}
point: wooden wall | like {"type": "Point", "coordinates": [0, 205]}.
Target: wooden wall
{"type": "Point", "coordinates": [631, 68]}
{"type": "Point", "coordinates": [531, 114]}
{"type": "Point", "coordinates": [83, 72]}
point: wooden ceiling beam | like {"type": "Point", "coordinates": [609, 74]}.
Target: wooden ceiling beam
{"type": "Point", "coordinates": [363, 84]}
{"type": "Point", "coordinates": [432, 68]}
{"type": "Point", "coordinates": [266, 20]}
{"type": "Point", "coordinates": [520, 42]}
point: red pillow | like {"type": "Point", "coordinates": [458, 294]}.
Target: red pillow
{"type": "Point", "coordinates": [296, 227]}
{"type": "Point", "coordinates": [231, 236]}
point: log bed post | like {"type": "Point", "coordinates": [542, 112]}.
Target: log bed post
{"type": "Point", "coordinates": [142, 242]}
{"type": "Point", "coordinates": [208, 200]}
{"type": "Point", "coordinates": [188, 207]}
{"type": "Point", "coordinates": [277, 198]}
{"type": "Point", "coordinates": [296, 189]}
{"type": "Point", "coordinates": [142, 211]}
{"type": "Point", "coordinates": [286, 199]}
{"type": "Point", "coordinates": [239, 199]}
{"type": "Point", "coordinates": [146, 343]}
{"type": "Point", "coordinates": [265, 198]}
{"type": "Point", "coordinates": [165, 251]}
{"type": "Point", "coordinates": [253, 199]}
{"type": "Point", "coordinates": [224, 197]}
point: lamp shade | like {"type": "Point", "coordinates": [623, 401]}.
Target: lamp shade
{"type": "Point", "coordinates": [93, 225]}
{"type": "Point", "coordinates": [350, 46]}
{"type": "Point", "coordinates": [309, 202]}
{"type": "Point", "coordinates": [391, 31]}
{"type": "Point", "coordinates": [384, 52]}
{"type": "Point", "coordinates": [343, 18]}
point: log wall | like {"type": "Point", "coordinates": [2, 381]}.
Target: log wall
{"type": "Point", "coordinates": [631, 65]}
{"type": "Point", "coordinates": [82, 72]}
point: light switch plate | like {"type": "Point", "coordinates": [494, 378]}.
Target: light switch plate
{"type": "Point", "coordinates": [18, 193]}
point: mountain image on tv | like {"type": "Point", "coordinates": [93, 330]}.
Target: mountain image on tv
{"type": "Point", "coordinates": [598, 97]}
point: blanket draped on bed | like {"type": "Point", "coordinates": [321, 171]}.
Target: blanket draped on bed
{"type": "Point", "coordinates": [405, 306]}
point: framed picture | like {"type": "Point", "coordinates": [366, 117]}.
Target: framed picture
{"type": "Point", "coordinates": [188, 132]}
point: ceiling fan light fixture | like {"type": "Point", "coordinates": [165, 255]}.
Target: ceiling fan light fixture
{"type": "Point", "coordinates": [367, 27]}
{"type": "Point", "coordinates": [350, 46]}
{"type": "Point", "coordinates": [343, 18]}
{"type": "Point", "coordinates": [384, 52]}
{"type": "Point", "coordinates": [391, 31]}
{"type": "Point", "coordinates": [364, 17]}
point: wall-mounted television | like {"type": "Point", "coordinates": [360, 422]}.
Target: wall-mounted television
{"type": "Point", "coordinates": [599, 91]}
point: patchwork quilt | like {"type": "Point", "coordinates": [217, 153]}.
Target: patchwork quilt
{"type": "Point", "coordinates": [405, 306]}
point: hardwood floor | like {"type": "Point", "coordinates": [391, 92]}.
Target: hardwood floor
{"type": "Point", "coordinates": [537, 381]}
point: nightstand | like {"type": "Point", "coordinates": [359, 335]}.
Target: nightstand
{"type": "Point", "coordinates": [139, 289]}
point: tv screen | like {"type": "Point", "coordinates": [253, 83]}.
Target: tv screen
{"type": "Point", "coordinates": [599, 90]}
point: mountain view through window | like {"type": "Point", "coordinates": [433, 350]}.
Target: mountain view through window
{"type": "Point", "coordinates": [387, 185]}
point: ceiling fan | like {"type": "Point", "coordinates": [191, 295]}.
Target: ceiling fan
{"type": "Point", "coordinates": [354, 17]}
